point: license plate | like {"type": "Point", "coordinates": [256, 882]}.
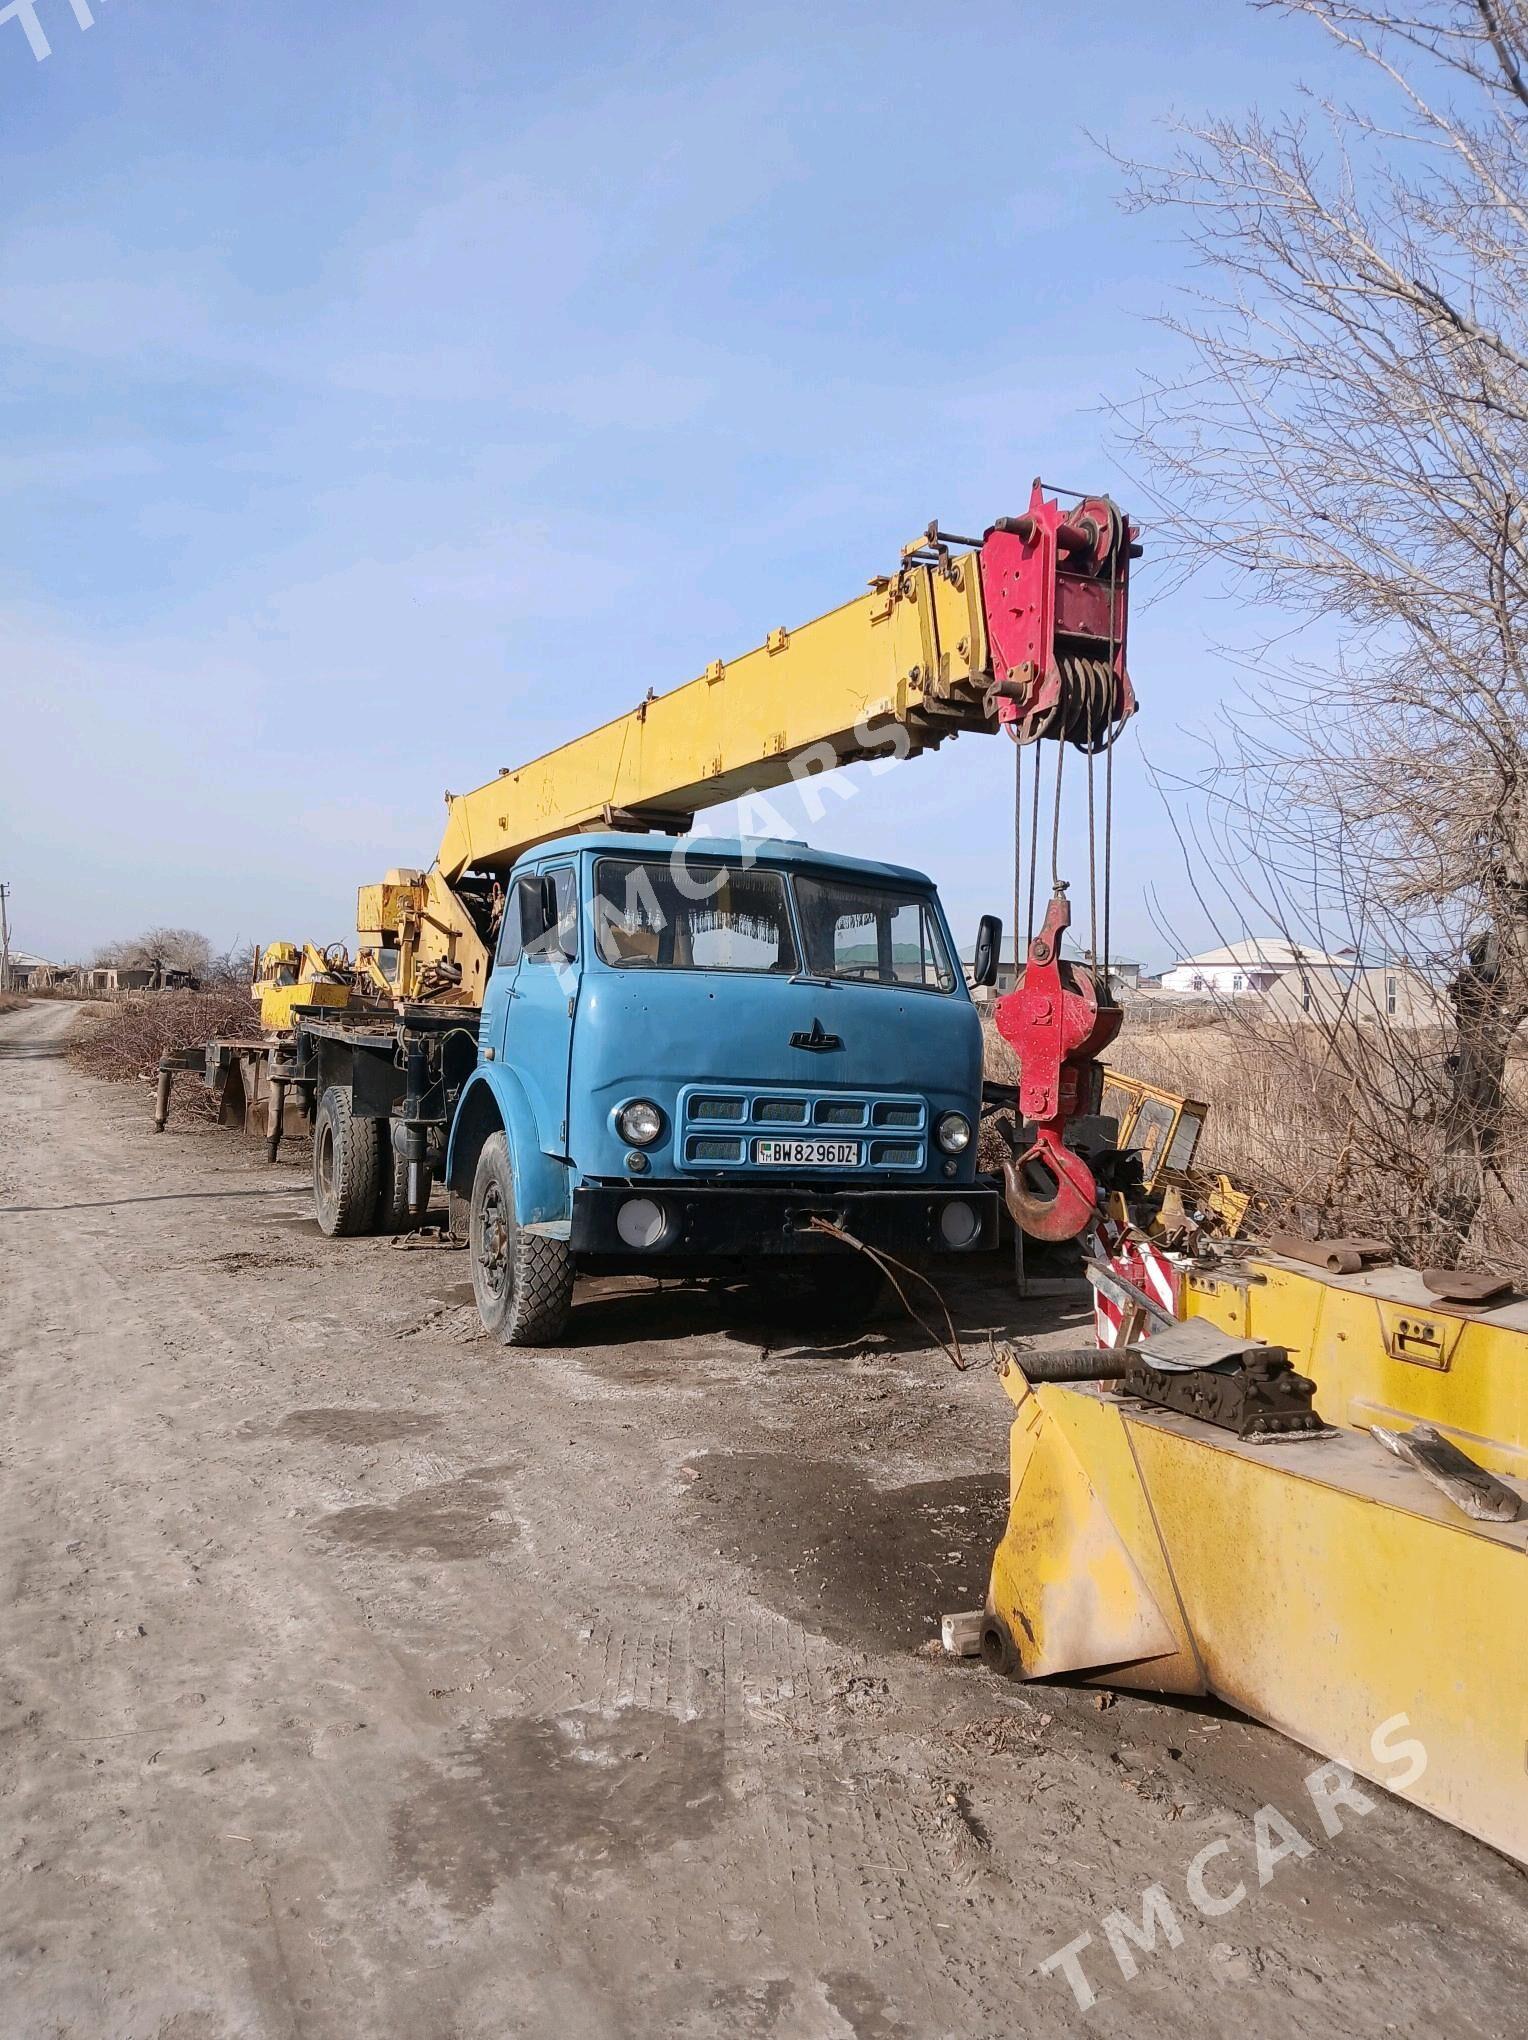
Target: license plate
{"type": "Point", "coordinates": [808, 1154]}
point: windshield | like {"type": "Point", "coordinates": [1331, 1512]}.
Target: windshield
{"type": "Point", "coordinates": [693, 917]}
{"type": "Point", "coordinates": [875, 936]}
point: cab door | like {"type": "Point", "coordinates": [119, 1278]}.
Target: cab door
{"type": "Point", "coordinates": [499, 991]}
{"type": "Point", "coordinates": [543, 996]}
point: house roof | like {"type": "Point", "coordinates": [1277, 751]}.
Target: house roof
{"type": "Point", "coordinates": [1267, 952]}
{"type": "Point", "coordinates": [23, 959]}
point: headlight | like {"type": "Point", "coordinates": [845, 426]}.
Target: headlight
{"type": "Point", "coordinates": [640, 1122]}
{"type": "Point", "coordinates": [954, 1133]}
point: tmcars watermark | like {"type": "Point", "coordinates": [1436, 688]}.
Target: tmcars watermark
{"type": "Point", "coordinates": [1274, 1839]}
{"type": "Point", "coordinates": [26, 12]}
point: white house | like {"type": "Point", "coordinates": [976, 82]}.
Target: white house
{"type": "Point", "coordinates": [1243, 968]}
{"type": "Point", "coordinates": [1372, 995]}
{"type": "Point", "coordinates": [27, 971]}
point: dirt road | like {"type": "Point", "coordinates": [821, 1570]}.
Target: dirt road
{"type": "Point", "coordinates": [357, 1679]}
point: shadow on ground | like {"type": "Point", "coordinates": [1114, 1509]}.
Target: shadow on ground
{"type": "Point", "coordinates": [871, 1567]}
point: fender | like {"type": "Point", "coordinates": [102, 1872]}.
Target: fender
{"type": "Point", "coordinates": [543, 1186]}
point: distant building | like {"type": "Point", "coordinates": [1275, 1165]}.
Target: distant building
{"type": "Point", "coordinates": [1245, 968]}
{"type": "Point", "coordinates": [1123, 975]}
{"type": "Point", "coordinates": [1295, 983]}
{"type": "Point", "coordinates": [1380, 994]}
{"type": "Point", "coordinates": [121, 977]}
{"type": "Point", "coordinates": [30, 973]}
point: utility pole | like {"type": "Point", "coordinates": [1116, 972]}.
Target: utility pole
{"type": "Point", "coordinates": [5, 941]}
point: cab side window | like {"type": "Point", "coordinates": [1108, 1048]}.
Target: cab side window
{"type": "Point", "coordinates": [557, 943]}
{"type": "Point", "coordinates": [522, 918]}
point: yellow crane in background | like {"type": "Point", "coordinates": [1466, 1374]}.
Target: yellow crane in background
{"type": "Point", "coordinates": [287, 975]}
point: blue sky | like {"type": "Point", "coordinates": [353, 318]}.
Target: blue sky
{"type": "Point", "coordinates": [389, 394]}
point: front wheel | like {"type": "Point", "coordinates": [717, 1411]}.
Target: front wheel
{"type": "Point", "coordinates": [523, 1281]}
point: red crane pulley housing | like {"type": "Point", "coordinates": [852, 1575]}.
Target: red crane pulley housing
{"type": "Point", "coordinates": [1055, 586]}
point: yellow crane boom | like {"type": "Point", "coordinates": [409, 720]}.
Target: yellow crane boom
{"type": "Point", "coordinates": [904, 665]}
{"type": "Point", "coordinates": [910, 656]}
{"type": "Point", "coordinates": [966, 635]}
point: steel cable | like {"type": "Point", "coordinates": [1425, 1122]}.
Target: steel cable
{"type": "Point", "coordinates": [1034, 847]}
{"type": "Point", "coordinates": [1018, 849]}
{"type": "Point", "coordinates": [1092, 872]}
{"type": "Point", "coordinates": [951, 1348]}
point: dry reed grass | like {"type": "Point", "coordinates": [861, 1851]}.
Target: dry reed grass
{"type": "Point", "coordinates": [1324, 1154]}
{"type": "Point", "coordinates": [1327, 1155]}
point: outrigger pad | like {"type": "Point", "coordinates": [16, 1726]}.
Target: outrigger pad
{"type": "Point", "coordinates": [1195, 1343]}
{"type": "Point", "coordinates": [1467, 1285]}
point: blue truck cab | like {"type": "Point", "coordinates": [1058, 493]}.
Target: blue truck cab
{"type": "Point", "coordinates": [696, 1054]}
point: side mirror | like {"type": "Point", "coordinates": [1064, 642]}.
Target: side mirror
{"type": "Point", "coordinates": [548, 903]}
{"type": "Point", "coordinates": [989, 941]}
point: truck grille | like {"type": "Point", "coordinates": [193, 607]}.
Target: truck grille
{"type": "Point", "coordinates": [717, 1127]}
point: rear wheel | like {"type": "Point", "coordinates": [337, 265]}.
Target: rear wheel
{"type": "Point", "coordinates": [394, 1213]}
{"type": "Point", "coordinates": [347, 1167]}
{"type": "Point", "coordinates": [523, 1281]}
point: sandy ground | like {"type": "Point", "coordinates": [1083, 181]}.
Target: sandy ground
{"type": "Point", "coordinates": [357, 1679]}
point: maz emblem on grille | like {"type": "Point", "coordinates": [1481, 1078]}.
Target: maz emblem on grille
{"type": "Point", "coordinates": [817, 1040]}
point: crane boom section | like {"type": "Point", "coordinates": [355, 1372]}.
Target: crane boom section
{"type": "Point", "coordinates": [1023, 628]}
{"type": "Point", "coordinates": [910, 656]}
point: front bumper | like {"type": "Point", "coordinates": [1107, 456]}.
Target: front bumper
{"type": "Point", "coordinates": [703, 1219]}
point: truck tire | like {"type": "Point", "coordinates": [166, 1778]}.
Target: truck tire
{"type": "Point", "coordinates": [523, 1281]}
{"type": "Point", "coordinates": [393, 1214]}
{"type": "Point", "coordinates": [347, 1166]}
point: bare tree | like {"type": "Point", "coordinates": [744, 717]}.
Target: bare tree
{"type": "Point", "coordinates": [1330, 1093]}
{"type": "Point", "coordinates": [231, 966]}
{"type": "Point", "coordinates": [176, 948]}
{"type": "Point", "coordinates": [1352, 442]}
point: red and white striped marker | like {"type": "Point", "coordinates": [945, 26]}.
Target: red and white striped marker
{"type": "Point", "coordinates": [1152, 1271]}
